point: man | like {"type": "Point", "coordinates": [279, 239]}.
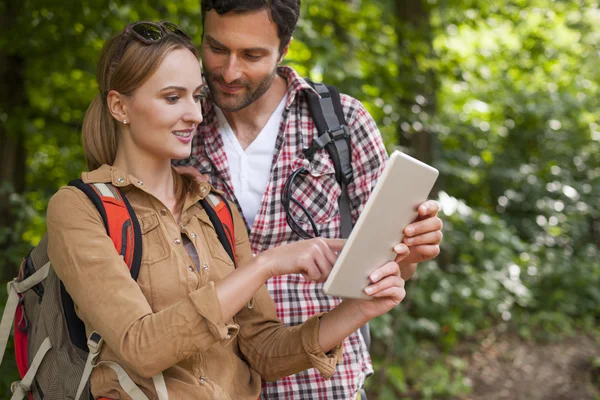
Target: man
{"type": "Point", "coordinates": [256, 124]}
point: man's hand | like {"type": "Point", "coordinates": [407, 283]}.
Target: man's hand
{"type": "Point", "coordinates": [423, 237]}
{"type": "Point", "coordinates": [193, 172]}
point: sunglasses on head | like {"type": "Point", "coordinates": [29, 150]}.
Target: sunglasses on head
{"type": "Point", "coordinates": [148, 33]}
{"type": "Point", "coordinates": [153, 32]}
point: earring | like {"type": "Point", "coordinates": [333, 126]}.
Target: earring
{"type": "Point", "coordinates": [125, 121]}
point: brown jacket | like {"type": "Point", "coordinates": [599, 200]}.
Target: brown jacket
{"type": "Point", "coordinates": [170, 319]}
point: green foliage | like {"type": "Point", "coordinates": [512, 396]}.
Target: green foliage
{"type": "Point", "coordinates": [506, 90]}
{"type": "Point", "coordinates": [429, 377]}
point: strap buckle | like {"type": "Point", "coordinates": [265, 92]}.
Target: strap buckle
{"type": "Point", "coordinates": [329, 136]}
{"type": "Point", "coordinates": [348, 175]}
{"type": "Point", "coordinates": [341, 132]}
{"type": "Point", "coordinates": [15, 385]}
{"type": "Point", "coordinates": [95, 342]}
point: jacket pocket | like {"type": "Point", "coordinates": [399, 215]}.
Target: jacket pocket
{"type": "Point", "coordinates": [215, 247]}
{"type": "Point", "coordinates": [154, 244]}
{"type": "Point", "coordinates": [317, 191]}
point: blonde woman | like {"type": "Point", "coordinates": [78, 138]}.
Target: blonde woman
{"type": "Point", "coordinates": [206, 329]}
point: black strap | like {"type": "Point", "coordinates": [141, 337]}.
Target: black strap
{"type": "Point", "coordinates": [137, 239]}
{"type": "Point", "coordinates": [334, 136]}
{"type": "Point", "coordinates": [75, 326]}
{"type": "Point", "coordinates": [328, 115]}
{"type": "Point", "coordinates": [345, 213]}
{"type": "Point", "coordinates": [219, 227]}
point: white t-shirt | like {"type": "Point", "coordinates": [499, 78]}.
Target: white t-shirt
{"type": "Point", "coordinates": [250, 169]}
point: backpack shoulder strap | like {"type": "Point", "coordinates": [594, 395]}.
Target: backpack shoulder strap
{"type": "Point", "coordinates": [123, 228]}
{"type": "Point", "coordinates": [119, 220]}
{"type": "Point", "coordinates": [221, 217]}
{"type": "Point", "coordinates": [334, 136]}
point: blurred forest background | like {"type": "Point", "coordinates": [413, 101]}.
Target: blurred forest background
{"type": "Point", "coordinates": [501, 96]}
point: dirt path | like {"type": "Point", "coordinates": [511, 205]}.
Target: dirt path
{"type": "Point", "coordinates": [505, 367]}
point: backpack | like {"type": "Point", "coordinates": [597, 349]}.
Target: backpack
{"type": "Point", "coordinates": [54, 356]}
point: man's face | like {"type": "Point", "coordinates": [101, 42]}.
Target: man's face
{"type": "Point", "coordinates": [240, 53]}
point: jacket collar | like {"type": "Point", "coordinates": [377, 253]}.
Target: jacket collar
{"type": "Point", "coordinates": [120, 179]}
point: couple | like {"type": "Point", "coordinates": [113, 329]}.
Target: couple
{"type": "Point", "coordinates": [209, 330]}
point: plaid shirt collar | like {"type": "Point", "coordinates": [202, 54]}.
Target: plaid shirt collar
{"type": "Point", "coordinates": [213, 142]}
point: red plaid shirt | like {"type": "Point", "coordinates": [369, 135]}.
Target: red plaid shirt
{"type": "Point", "coordinates": [296, 299]}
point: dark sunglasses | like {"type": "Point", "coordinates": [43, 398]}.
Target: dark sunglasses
{"type": "Point", "coordinates": [153, 32]}
{"type": "Point", "coordinates": [148, 33]}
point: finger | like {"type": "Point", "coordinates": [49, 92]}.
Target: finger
{"type": "Point", "coordinates": [425, 252]}
{"type": "Point", "coordinates": [401, 249]}
{"type": "Point", "coordinates": [400, 258]}
{"type": "Point", "coordinates": [427, 225]}
{"type": "Point", "coordinates": [389, 269]}
{"type": "Point", "coordinates": [320, 254]}
{"type": "Point", "coordinates": [395, 294]}
{"type": "Point", "coordinates": [313, 272]}
{"type": "Point", "coordinates": [428, 208]}
{"type": "Point", "coordinates": [384, 284]}
{"type": "Point", "coordinates": [324, 266]}
{"type": "Point", "coordinates": [331, 255]}
{"type": "Point", "coordinates": [402, 252]}
{"type": "Point", "coordinates": [434, 237]}
{"type": "Point", "coordinates": [335, 244]}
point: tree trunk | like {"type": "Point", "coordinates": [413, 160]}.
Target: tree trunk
{"type": "Point", "coordinates": [415, 39]}
{"type": "Point", "coordinates": [13, 105]}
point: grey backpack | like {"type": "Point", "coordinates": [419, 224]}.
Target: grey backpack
{"type": "Point", "coordinates": [54, 355]}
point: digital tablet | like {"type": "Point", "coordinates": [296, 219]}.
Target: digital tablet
{"type": "Point", "coordinates": [404, 185]}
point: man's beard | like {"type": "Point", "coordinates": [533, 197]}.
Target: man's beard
{"type": "Point", "coordinates": [231, 103]}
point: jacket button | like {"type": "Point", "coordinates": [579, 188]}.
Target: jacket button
{"type": "Point", "coordinates": [205, 267]}
{"type": "Point", "coordinates": [140, 183]}
{"type": "Point", "coordinates": [191, 269]}
{"type": "Point", "coordinates": [192, 235]}
{"type": "Point", "coordinates": [202, 380]}
{"type": "Point", "coordinates": [120, 180]}
{"type": "Point", "coordinates": [163, 211]}
{"type": "Point", "coordinates": [177, 241]}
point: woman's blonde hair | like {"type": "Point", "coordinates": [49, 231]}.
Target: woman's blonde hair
{"type": "Point", "coordinates": [136, 65]}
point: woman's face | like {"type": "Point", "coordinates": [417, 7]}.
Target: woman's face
{"type": "Point", "coordinates": [164, 112]}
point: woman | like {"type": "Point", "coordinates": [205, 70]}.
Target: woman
{"type": "Point", "coordinates": [192, 325]}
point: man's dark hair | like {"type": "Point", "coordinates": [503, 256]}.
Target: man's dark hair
{"type": "Point", "coordinates": [284, 13]}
